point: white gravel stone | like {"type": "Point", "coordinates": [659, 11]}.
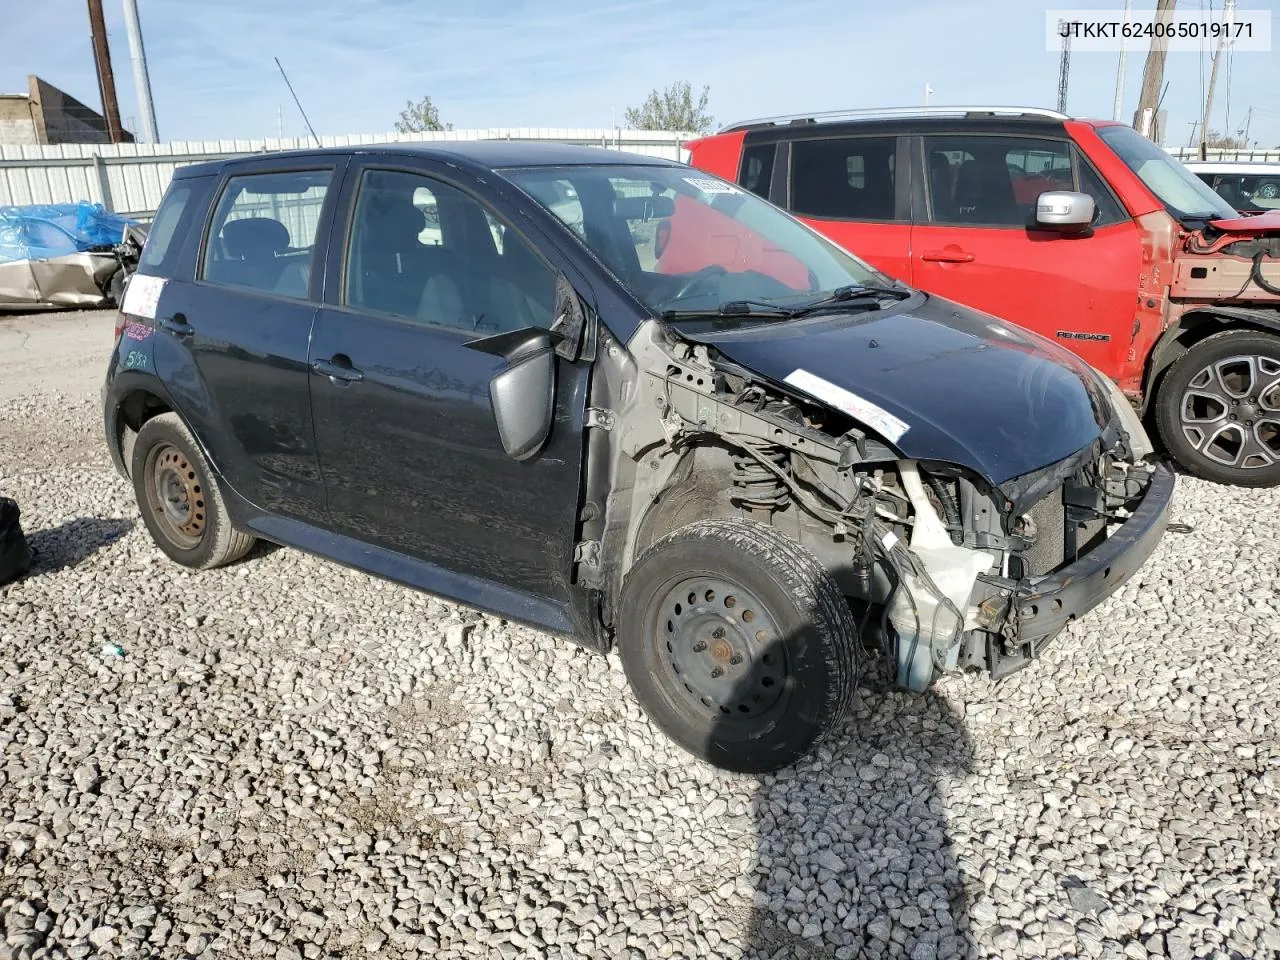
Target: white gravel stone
{"type": "Point", "coordinates": [298, 760]}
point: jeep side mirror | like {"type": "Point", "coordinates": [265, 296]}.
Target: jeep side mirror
{"type": "Point", "coordinates": [523, 394]}
{"type": "Point", "coordinates": [1064, 210]}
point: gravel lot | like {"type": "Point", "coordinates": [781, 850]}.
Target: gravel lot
{"type": "Point", "coordinates": [292, 759]}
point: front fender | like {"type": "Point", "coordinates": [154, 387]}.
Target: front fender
{"type": "Point", "coordinates": [1195, 325]}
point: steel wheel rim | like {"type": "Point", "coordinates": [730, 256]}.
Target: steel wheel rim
{"type": "Point", "coordinates": [176, 496]}
{"type": "Point", "coordinates": [1269, 191]}
{"type": "Point", "coordinates": [721, 650]}
{"type": "Point", "coordinates": [1230, 412]}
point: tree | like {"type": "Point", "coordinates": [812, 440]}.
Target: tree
{"type": "Point", "coordinates": [1225, 141]}
{"type": "Point", "coordinates": [672, 109]}
{"type": "Point", "coordinates": [420, 117]}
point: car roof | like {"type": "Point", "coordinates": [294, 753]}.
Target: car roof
{"type": "Point", "coordinates": [477, 154]}
{"type": "Point", "coordinates": [1256, 167]}
{"type": "Point", "coordinates": [897, 118]}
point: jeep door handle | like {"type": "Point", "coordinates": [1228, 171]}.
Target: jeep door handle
{"type": "Point", "coordinates": [177, 325]}
{"type": "Point", "coordinates": [338, 369]}
{"type": "Point", "coordinates": [954, 255]}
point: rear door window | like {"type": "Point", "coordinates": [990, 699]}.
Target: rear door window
{"type": "Point", "coordinates": [263, 233]}
{"type": "Point", "coordinates": [844, 178]}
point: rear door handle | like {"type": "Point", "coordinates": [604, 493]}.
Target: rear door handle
{"type": "Point", "coordinates": [947, 256]}
{"type": "Point", "coordinates": [177, 325]}
{"type": "Point", "coordinates": [338, 369]}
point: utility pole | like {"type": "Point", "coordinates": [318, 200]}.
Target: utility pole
{"type": "Point", "coordinates": [1228, 9]}
{"type": "Point", "coordinates": [141, 82]}
{"type": "Point", "coordinates": [1064, 68]}
{"type": "Point", "coordinates": [106, 80]}
{"type": "Point", "coordinates": [1124, 43]}
{"type": "Point", "coordinates": [1144, 119]}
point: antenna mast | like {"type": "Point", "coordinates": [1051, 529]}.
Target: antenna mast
{"type": "Point", "coordinates": [310, 129]}
{"type": "Point", "coordinates": [1064, 68]}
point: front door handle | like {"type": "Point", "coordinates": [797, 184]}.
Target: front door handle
{"type": "Point", "coordinates": [177, 325]}
{"type": "Point", "coordinates": [949, 255]}
{"type": "Point", "coordinates": [338, 369]}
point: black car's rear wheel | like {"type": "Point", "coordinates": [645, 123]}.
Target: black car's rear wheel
{"type": "Point", "coordinates": [179, 499]}
{"type": "Point", "coordinates": [737, 643]}
{"type": "Point", "coordinates": [1218, 409]}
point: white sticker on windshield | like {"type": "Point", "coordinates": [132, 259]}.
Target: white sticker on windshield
{"type": "Point", "coordinates": [707, 185]}
{"type": "Point", "coordinates": [142, 296]}
{"type": "Point", "coordinates": [874, 416]}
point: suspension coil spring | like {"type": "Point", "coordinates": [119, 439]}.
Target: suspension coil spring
{"type": "Point", "coordinates": [755, 486]}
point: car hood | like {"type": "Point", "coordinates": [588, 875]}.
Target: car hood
{"type": "Point", "coordinates": [1256, 225]}
{"type": "Point", "coordinates": [937, 380]}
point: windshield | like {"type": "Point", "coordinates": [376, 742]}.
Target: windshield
{"type": "Point", "coordinates": [682, 240]}
{"type": "Point", "coordinates": [1183, 193]}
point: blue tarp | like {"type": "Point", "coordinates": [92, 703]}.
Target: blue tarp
{"type": "Point", "coordinates": [44, 231]}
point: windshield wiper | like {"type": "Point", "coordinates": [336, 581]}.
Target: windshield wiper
{"type": "Point", "coordinates": [854, 296]}
{"type": "Point", "coordinates": [857, 292]}
{"type": "Point", "coordinates": [755, 309]}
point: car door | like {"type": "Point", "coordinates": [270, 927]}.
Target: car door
{"type": "Point", "coordinates": [849, 189]}
{"type": "Point", "coordinates": [234, 325]}
{"type": "Point", "coordinates": [423, 272]}
{"type": "Point", "coordinates": [975, 241]}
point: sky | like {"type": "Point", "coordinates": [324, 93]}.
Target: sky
{"type": "Point", "coordinates": [577, 63]}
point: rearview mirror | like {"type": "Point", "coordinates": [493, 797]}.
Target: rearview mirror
{"type": "Point", "coordinates": [644, 208]}
{"type": "Point", "coordinates": [1064, 210]}
{"type": "Point", "coordinates": [523, 394]}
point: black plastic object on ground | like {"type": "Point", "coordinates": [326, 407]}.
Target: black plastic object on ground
{"type": "Point", "coordinates": [15, 554]}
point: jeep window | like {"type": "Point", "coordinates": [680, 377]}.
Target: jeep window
{"type": "Point", "coordinates": [425, 251]}
{"type": "Point", "coordinates": [847, 178]}
{"type": "Point", "coordinates": [1254, 194]}
{"type": "Point", "coordinates": [682, 239]}
{"type": "Point", "coordinates": [757, 168]}
{"type": "Point", "coordinates": [993, 181]}
{"type": "Point", "coordinates": [1107, 208]}
{"type": "Point", "coordinates": [263, 232]}
{"type": "Point", "coordinates": [159, 242]}
{"type": "Point", "coordinates": [1184, 194]}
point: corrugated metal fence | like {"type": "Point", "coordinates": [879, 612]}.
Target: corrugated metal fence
{"type": "Point", "coordinates": [1217, 154]}
{"type": "Point", "coordinates": [130, 178]}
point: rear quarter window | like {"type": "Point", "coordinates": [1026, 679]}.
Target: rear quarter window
{"type": "Point", "coordinates": [168, 229]}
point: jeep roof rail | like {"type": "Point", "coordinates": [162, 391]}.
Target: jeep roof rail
{"type": "Point", "coordinates": [895, 113]}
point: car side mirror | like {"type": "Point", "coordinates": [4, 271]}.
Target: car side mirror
{"type": "Point", "coordinates": [1064, 210]}
{"type": "Point", "coordinates": [523, 394]}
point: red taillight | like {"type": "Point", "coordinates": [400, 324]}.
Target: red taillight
{"type": "Point", "coordinates": [120, 325]}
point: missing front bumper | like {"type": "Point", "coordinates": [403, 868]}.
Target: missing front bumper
{"type": "Point", "coordinates": [1039, 607]}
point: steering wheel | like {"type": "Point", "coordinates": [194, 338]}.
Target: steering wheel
{"type": "Point", "coordinates": [698, 278]}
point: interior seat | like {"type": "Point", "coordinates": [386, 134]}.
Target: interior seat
{"type": "Point", "coordinates": [252, 245]}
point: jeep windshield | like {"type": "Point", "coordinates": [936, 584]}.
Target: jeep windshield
{"type": "Point", "coordinates": [687, 244]}
{"type": "Point", "coordinates": [1184, 195]}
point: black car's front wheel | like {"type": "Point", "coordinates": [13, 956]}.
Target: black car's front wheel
{"type": "Point", "coordinates": [1218, 409]}
{"type": "Point", "coordinates": [179, 499]}
{"type": "Point", "coordinates": [737, 643]}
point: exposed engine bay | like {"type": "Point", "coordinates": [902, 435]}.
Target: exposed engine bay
{"type": "Point", "coordinates": [948, 569]}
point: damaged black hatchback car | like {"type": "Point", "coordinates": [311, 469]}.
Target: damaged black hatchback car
{"type": "Point", "coordinates": [626, 401]}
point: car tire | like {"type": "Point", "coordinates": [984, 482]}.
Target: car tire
{"type": "Point", "coordinates": [115, 288]}
{"type": "Point", "coordinates": [1218, 409]}
{"type": "Point", "coordinates": [179, 498]}
{"type": "Point", "coordinates": [738, 644]}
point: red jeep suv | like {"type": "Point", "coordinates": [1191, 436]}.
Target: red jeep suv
{"type": "Point", "coordinates": [1080, 230]}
